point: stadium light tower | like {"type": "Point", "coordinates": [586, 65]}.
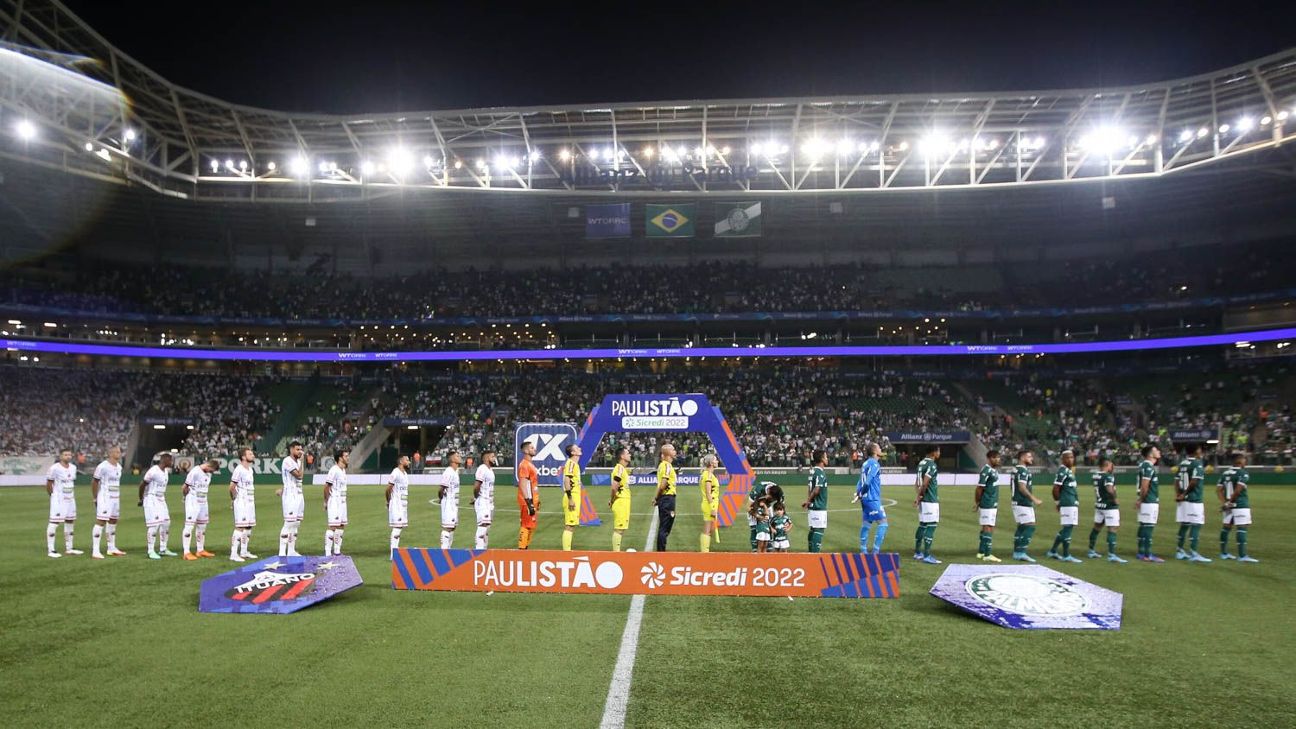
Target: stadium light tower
{"type": "Point", "coordinates": [299, 166]}
{"type": "Point", "coordinates": [25, 130]}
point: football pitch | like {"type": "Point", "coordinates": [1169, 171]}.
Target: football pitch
{"type": "Point", "coordinates": [120, 642]}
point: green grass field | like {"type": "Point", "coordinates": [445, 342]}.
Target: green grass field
{"type": "Point", "coordinates": [121, 643]}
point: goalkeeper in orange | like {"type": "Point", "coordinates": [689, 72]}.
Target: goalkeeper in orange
{"type": "Point", "coordinates": [528, 494]}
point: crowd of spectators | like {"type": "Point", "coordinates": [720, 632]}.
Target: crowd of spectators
{"type": "Point", "coordinates": [719, 287]}
{"type": "Point", "coordinates": [780, 413]}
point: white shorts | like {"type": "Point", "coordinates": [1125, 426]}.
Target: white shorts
{"type": "Point", "coordinates": [107, 508]}
{"type": "Point", "coordinates": [156, 511]}
{"type": "Point", "coordinates": [817, 519]}
{"type": "Point", "coordinates": [1069, 515]}
{"type": "Point", "coordinates": [1148, 513]}
{"type": "Point", "coordinates": [1107, 517]}
{"type": "Point", "coordinates": [1187, 512]}
{"type": "Point", "coordinates": [449, 512]}
{"type": "Point", "coordinates": [294, 506]}
{"type": "Point", "coordinates": [62, 508]}
{"type": "Point", "coordinates": [762, 536]}
{"type": "Point", "coordinates": [1237, 517]}
{"type": "Point", "coordinates": [244, 513]}
{"type": "Point", "coordinates": [928, 512]}
{"type": "Point", "coordinates": [196, 512]}
{"type": "Point", "coordinates": [1023, 514]}
{"type": "Point", "coordinates": [485, 512]}
{"type": "Point", "coordinates": [987, 517]}
{"type": "Point", "coordinates": [398, 513]}
{"type": "Point", "coordinates": [337, 512]}
{"type": "Point", "coordinates": [779, 544]}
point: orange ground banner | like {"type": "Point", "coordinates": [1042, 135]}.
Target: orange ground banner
{"type": "Point", "coordinates": [792, 574]}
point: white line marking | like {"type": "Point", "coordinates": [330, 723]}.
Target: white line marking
{"type": "Point", "coordinates": [618, 696]}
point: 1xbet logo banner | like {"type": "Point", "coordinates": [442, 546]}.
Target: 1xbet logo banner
{"type": "Point", "coordinates": [551, 441]}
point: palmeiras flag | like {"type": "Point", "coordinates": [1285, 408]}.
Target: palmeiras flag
{"type": "Point", "coordinates": [278, 585]}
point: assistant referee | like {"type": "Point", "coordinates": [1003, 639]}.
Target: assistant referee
{"type": "Point", "coordinates": [665, 499]}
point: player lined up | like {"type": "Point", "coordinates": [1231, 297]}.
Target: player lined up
{"type": "Point", "coordinates": [769, 523]}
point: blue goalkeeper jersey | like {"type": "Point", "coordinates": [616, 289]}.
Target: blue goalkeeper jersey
{"type": "Point", "coordinates": [869, 487]}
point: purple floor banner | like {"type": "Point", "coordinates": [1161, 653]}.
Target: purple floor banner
{"type": "Point", "coordinates": [278, 585]}
{"type": "Point", "coordinates": [1029, 597]}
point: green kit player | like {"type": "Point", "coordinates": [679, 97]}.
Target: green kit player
{"type": "Point", "coordinates": [1068, 506]}
{"type": "Point", "coordinates": [928, 503]}
{"type": "Point", "coordinates": [766, 493]}
{"type": "Point", "coordinates": [760, 515]}
{"type": "Point", "coordinates": [1148, 503]}
{"type": "Point", "coordinates": [1190, 512]}
{"type": "Point", "coordinates": [780, 528]}
{"type": "Point", "coordinates": [1235, 502]}
{"type": "Point", "coordinates": [1024, 502]}
{"type": "Point", "coordinates": [987, 505]}
{"type": "Point", "coordinates": [816, 503]}
{"type": "Point", "coordinates": [1106, 511]}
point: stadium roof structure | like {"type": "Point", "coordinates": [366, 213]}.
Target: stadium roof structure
{"type": "Point", "coordinates": [74, 102]}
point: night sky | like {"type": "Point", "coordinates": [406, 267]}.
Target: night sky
{"type": "Point", "coordinates": [389, 56]}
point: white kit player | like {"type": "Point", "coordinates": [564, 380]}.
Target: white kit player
{"type": "Point", "coordinates": [484, 498]}
{"type": "Point", "coordinates": [59, 483]}
{"type": "Point", "coordinates": [294, 500]}
{"type": "Point", "coordinates": [335, 503]}
{"type": "Point", "coordinates": [398, 501]}
{"type": "Point", "coordinates": [106, 489]}
{"type": "Point", "coordinates": [243, 497]}
{"type": "Point", "coordinates": [197, 514]}
{"type": "Point", "coordinates": [449, 495]}
{"type": "Point", "coordinates": [157, 516]}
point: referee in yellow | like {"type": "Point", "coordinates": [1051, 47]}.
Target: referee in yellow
{"type": "Point", "coordinates": [619, 503]}
{"type": "Point", "coordinates": [665, 498]}
{"type": "Point", "coordinates": [710, 486]}
{"type": "Point", "coordinates": [571, 504]}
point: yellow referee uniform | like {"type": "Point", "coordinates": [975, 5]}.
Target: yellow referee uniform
{"type": "Point", "coordinates": [571, 482]}
{"type": "Point", "coordinates": [666, 477]}
{"type": "Point", "coordinates": [620, 497]}
{"type": "Point", "coordinates": [710, 486]}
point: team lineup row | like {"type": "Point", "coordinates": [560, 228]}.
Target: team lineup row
{"type": "Point", "coordinates": [769, 525]}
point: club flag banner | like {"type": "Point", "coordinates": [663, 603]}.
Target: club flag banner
{"type": "Point", "coordinates": [669, 221]}
{"type": "Point", "coordinates": [738, 220]}
{"type": "Point", "coordinates": [607, 221]}
{"type": "Point", "coordinates": [278, 585]}
{"type": "Point", "coordinates": [795, 574]}
{"type": "Point", "coordinates": [1029, 597]}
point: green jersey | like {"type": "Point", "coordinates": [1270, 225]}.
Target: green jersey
{"type": "Point", "coordinates": [1067, 494]}
{"type": "Point", "coordinates": [989, 482]}
{"type": "Point", "coordinates": [1104, 490]}
{"type": "Point", "coordinates": [1021, 476]}
{"type": "Point", "coordinates": [1148, 471]}
{"type": "Point", "coordinates": [927, 467]}
{"type": "Point", "coordinates": [779, 526]}
{"type": "Point", "coordinates": [1235, 480]}
{"type": "Point", "coordinates": [819, 479]}
{"type": "Point", "coordinates": [761, 515]}
{"type": "Point", "coordinates": [1190, 472]}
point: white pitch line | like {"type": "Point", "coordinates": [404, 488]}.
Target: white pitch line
{"type": "Point", "coordinates": [618, 696]}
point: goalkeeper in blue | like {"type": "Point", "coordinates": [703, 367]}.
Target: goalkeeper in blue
{"type": "Point", "coordinates": [868, 492]}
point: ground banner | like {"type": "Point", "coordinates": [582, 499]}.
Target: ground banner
{"type": "Point", "coordinates": [1029, 597]}
{"type": "Point", "coordinates": [792, 574]}
{"type": "Point", "coordinates": [669, 221]}
{"type": "Point", "coordinates": [278, 585]}
{"type": "Point", "coordinates": [738, 220]}
{"type": "Point", "coordinates": [607, 221]}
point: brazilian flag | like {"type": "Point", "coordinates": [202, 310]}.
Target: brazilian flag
{"type": "Point", "coordinates": [669, 221]}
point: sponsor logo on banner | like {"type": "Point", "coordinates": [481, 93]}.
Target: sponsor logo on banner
{"type": "Point", "coordinates": [948, 436]}
{"type": "Point", "coordinates": [1190, 435]}
{"type": "Point", "coordinates": [607, 221]}
{"type": "Point", "coordinates": [1029, 597]}
{"type": "Point", "coordinates": [648, 573]}
{"type": "Point", "coordinates": [738, 220]}
{"type": "Point", "coordinates": [669, 221]}
{"type": "Point", "coordinates": [551, 441]}
{"type": "Point", "coordinates": [278, 585]}
{"type": "Point", "coordinates": [671, 413]}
